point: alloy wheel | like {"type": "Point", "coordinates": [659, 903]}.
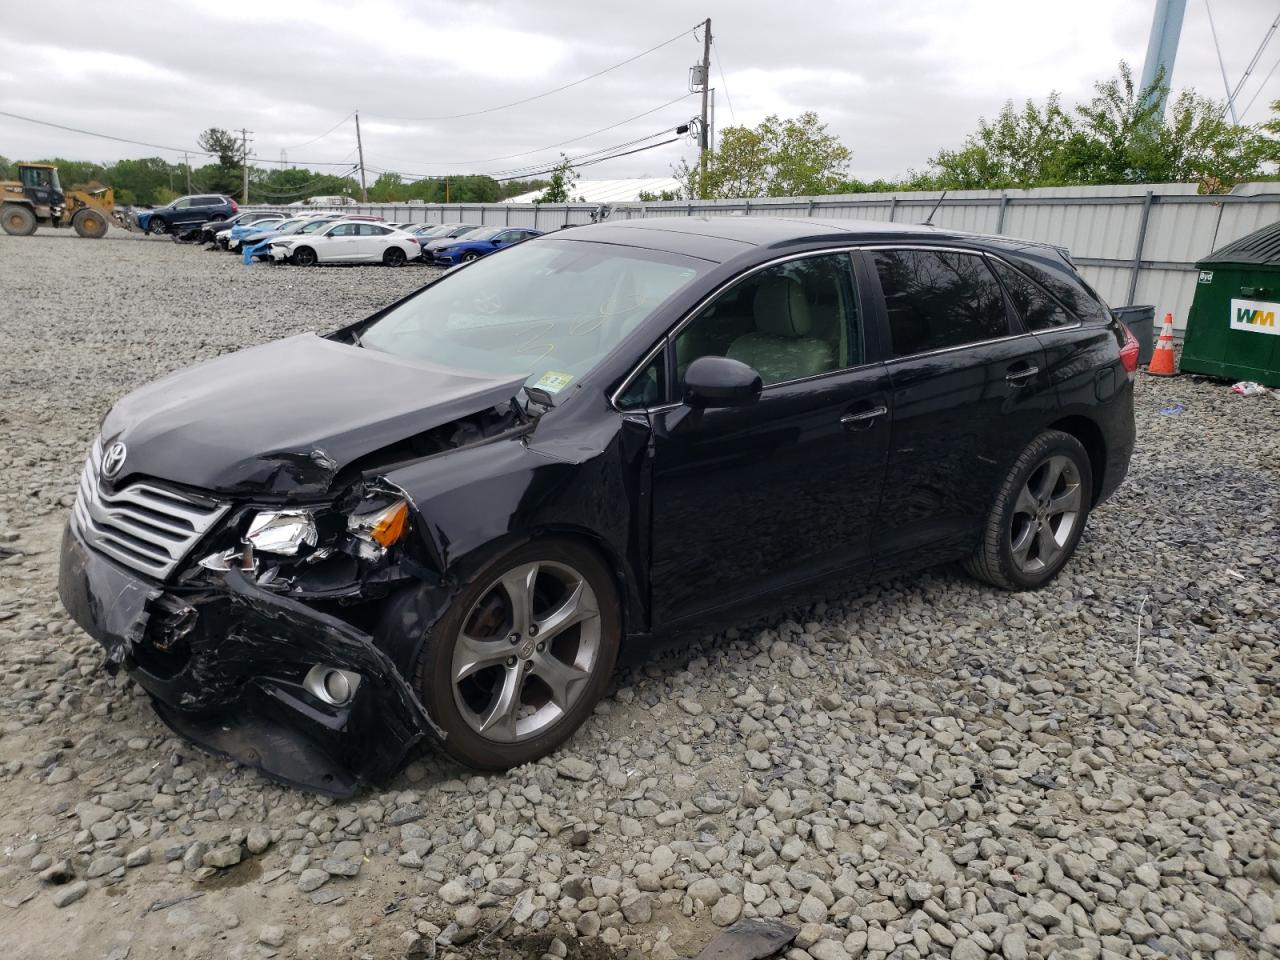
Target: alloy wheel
{"type": "Point", "coordinates": [526, 651]}
{"type": "Point", "coordinates": [1045, 514]}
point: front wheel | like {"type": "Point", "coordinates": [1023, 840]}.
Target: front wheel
{"type": "Point", "coordinates": [305, 257]}
{"type": "Point", "coordinates": [518, 661]}
{"type": "Point", "coordinates": [1039, 515]}
{"type": "Point", "coordinates": [470, 256]}
{"type": "Point", "coordinates": [157, 226]}
{"type": "Point", "coordinates": [394, 257]}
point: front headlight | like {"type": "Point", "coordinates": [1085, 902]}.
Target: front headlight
{"type": "Point", "coordinates": [282, 532]}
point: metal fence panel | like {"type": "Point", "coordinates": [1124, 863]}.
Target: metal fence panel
{"type": "Point", "coordinates": [1136, 243]}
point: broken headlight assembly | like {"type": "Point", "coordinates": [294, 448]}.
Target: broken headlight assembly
{"type": "Point", "coordinates": [286, 541]}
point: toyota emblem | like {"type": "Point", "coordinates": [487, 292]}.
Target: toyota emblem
{"type": "Point", "coordinates": [113, 460]}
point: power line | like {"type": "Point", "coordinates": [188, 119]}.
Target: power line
{"type": "Point", "coordinates": [531, 169]}
{"type": "Point", "coordinates": [104, 136]}
{"type": "Point", "coordinates": [723, 82]}
{"type": "Point", "coordinates": [155, 146]}
{"type": "Point", "coordinates": [562, 143]}
{"type": "Point", "coordinates": [547, 93]}
{"type": "Point", "coordinates": [1260, 88]}
{"type": "Point", "coordinates": [591, 163]}
{"type": "Point", "coordinates": [323, 135]}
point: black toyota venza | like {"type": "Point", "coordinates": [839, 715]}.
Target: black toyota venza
{"type": "Point", "coordinates": [445, 520]}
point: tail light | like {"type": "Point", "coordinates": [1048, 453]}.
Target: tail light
{"type": "Point", "coordinates": [1129, 352]}
{"type": "Point", "coordinates": [235, 207]}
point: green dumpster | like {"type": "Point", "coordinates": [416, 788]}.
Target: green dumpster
{"type": "Point", "coordinates": [1233, 330]}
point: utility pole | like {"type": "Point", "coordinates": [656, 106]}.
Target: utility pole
{"type": "Point", "coordinates": [703, 135]}
{"type": "Point", "coordinates": [244, 164]}
{"type": "Point", "coordinates": [1162, 46]}
{"type": "Point", "coordinates": [364, 193]}
{"type": "Point", "coordinates": [186, 162]}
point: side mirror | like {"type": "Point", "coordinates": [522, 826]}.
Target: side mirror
{"type": "Point", "coordinates": [494, 242]}
{"type": "Point", "coordinates": [720, 382]}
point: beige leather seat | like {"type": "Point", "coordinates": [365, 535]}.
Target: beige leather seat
{"type": "Point", "coordinates": [781, 348]}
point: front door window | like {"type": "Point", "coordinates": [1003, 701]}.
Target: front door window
{"type": "Point", "coordinates": [790, 321]}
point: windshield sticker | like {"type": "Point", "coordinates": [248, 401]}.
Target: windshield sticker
{"type": "Point", "coordinates": [553, 381]}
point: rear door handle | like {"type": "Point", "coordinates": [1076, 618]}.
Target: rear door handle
{"type": "Point", "coordinates": [863, 416]}
{"type": "Point", "coordinates": [1023, 375]}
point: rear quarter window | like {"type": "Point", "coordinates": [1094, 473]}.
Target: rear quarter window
{"type": "Point", "coordinates": [1038, 309]}
{"type": "Point", "coordinates": [1066, 286]}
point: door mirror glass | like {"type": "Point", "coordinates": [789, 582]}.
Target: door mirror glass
{"type": "Point", "coordinates": [720, 382]}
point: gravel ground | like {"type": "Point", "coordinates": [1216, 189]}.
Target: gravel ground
{"type": "Point", "coordinates": [922, 767]}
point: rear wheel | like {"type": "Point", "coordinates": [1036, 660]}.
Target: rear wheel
{"type": "Point", "coordinates": [518, 661]}
{"type": "Point", "coordinates": [394, 257]}
{"type": "Point", "coordinates": [18, 221]}
{"type": "Point", "coordinates": [1039, 515]}
{"type": "Point", "coordinates": [157, 226]}
{"type": "Point", "coordinates": [305, 257]}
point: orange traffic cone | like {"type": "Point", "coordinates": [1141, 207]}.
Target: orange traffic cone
{"type": "Point", "coordinates": [1162, 360]}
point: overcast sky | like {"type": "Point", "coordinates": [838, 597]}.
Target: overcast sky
{"type": "Point", "coordinates": [895, 81]}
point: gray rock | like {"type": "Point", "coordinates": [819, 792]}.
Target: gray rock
{"type": "Point", "coordinates": [575, 768]}
{"type": "Point", "coordinates": [69, 894]}
{"type": "Point", "coordinates": [271, 935]}
{"type": "Point", "coordinates": [312, 879]}
{"type": "Point", "coordinates": [726, 910]}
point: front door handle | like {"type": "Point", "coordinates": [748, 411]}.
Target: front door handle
{"type": "Point", "coordinates": [863, 416]}
{"type": "Point", "coordinates": [1022, 375]}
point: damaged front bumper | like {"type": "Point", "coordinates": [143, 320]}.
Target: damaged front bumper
{"type": "Point", "coordinates": [234, 670]}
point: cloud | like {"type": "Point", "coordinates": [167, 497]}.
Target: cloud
{"type": "Point", "coordinates": [895, 82]}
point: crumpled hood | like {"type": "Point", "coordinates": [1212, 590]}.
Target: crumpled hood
{"type": "Point", "coordinates": [285, 417]}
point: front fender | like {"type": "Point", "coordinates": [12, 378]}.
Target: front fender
{"type": "Point", "coordinates": [473, 503]}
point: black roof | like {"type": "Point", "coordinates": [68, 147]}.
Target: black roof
{"type": "Point", "coordinates": [1260, 247]}
{"type": "Point", "coordinates": [722, 238]}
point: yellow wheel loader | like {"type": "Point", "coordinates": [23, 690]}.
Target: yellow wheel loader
{"type": "Point", "coordinates": [37, 197]}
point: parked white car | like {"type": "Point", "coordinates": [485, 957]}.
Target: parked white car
{"type": "Point", "coordinates": [348, 241]}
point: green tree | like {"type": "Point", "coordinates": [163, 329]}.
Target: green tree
{"type": "Point", "coordinates": [777, 158]}
{"type": "Point", "coordinates": [388, 188]}
{"type": "Point", "coordinates": [648, 196]}
{"type": "Point", "coordinates": [226, 175]}
{"type": "Point", "coordinates": [563, 179]}
{"type": "Point", "coordinates": [1119, 136]}
{"type": "Point", "coordinates": [142, 179]}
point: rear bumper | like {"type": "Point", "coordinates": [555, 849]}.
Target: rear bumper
{"type": "Point", "coordinates": [1120, 435]}
{"type": "Point", "coordinates": [234, 683]}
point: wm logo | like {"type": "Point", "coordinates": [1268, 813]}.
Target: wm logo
{"type": "Point", "coordinates": [1256, 318]}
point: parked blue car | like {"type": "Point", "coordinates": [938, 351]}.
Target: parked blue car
{"type": "Point", "coordinates": [255, 244]}
{"type": "Point", "coordinates": [476, 244]}
{"type": "Point", "coordinates": [186, 212]}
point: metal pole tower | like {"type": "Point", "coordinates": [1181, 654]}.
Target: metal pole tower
{"type": "Point", "coordinates": [703, 137]}
{"type": "Point", "coordinates": [1162, 45]}
{"type": "Point", "coordinates": [364, 193]}
{"type": "Point", "coordinates": [244, 164]}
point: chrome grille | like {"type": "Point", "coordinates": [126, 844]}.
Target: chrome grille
{"type": "Point", "coordinates": [144, 526]}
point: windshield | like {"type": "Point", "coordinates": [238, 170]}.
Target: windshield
{"type": "Point", "coordinates": [459, 231]}
{"type": "Point", "coordinates": [288, 226]}
{"type": "Point", "coordinates": [313, 225]}
{"type": "Point", "coordinates": [547, 309]}
{"type": "Point", "coordinates": [488, 233]}
{"type": "Point", "coordinates": [435, 231]}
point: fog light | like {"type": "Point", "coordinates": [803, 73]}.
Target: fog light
{"type": "Point", "coordinates": [331, 685]}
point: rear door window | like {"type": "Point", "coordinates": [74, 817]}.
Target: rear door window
{"type": "Point", "coordinates": [938, 299]}
{"type": "Point", "coordinates": [1039, 311]}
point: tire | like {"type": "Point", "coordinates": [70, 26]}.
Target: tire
{"type": "Point", "coordinates": [469, 256]}
{"type": "Point", "coordinates": [580, 656]}
{"type": "Point", "coordinates": [157, 226]}
{"type": "Point", "coordinates": [1039, 515]}
{"type": "Point", "coordinates": [305, 257]}
{"type": "Point", "coordinates": [17, 220]}
{"type": "Point", "coordinates": [394, 257]}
